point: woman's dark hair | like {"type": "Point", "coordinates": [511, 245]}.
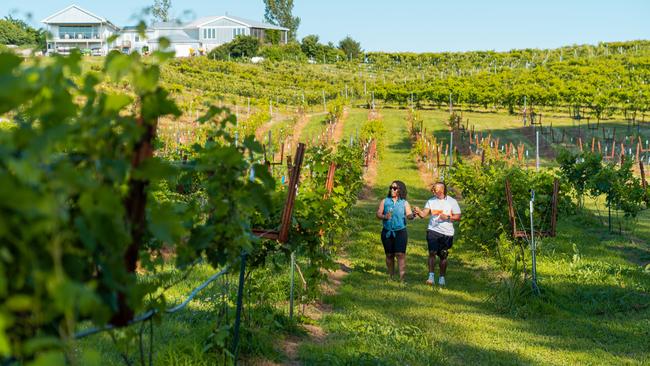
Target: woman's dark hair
{"type": "Point", "coordinates": [402, 189]}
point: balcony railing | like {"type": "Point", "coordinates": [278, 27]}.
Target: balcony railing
{"type": "Point", "coordinates": [79, 36]}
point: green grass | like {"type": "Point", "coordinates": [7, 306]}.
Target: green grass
{"type": "Point", "coordinates": [593, 309]}
{"type": "Point", "coordinates": [183, 338]}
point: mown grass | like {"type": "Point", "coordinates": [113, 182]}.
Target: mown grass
{"type": "Point", "coordinates": [593, 309]}
{"type": "Point", "coordinates": [187, 336]}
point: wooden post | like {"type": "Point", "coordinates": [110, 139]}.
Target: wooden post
{"type": "Point", "coordinates": [291, 197]}
{"type": "Point", "coordinates": [329, 184]}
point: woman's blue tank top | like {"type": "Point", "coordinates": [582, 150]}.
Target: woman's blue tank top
{"type": "Point", "coordinates": [398, 219]}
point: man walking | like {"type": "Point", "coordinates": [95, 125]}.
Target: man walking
{"type": "Point", "coordinates": [440, 232]}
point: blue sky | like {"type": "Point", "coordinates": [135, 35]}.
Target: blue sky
{"type": "Point", "coordinates": [410, 25]}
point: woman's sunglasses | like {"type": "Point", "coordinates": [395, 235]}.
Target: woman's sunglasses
{"type": "Point", "coordinates": [394, 188]}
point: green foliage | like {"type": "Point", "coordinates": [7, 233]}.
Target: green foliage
{"type": "Point", "coordinates": [310, 46]}
{"type": "Point", "coordinates": [335, 109]}
{"type": "Point", "coordinates": [588, 174]}
{"type": "Point", "coordinates": [89, 199]}
{"type": "Point", "coordinates": [240, 47]}
{"type": "Point", "coordinates": [272, 36]}
{"type": "Point", "coordinates": [160, 10]}
{"type": "Point", "coordinates": [279, 12]}
{"type": "Point", "coordinates": [485, 216]}
{"type": "Point", "coordinates": [351, 48]}
{"type": "Point", "coordinates": [17, 32]}
{"type": "Point", "coordinates": [373, 129]}
{"type": "Point", "coordinates": [288, 52]}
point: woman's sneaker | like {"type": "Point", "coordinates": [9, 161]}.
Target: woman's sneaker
{"type": "Point", "coordinates": [431, 280]}
{"type": "Point", "coordinates": [441, 281]}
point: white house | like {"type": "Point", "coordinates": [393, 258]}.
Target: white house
{"type": "Point", "coordinates": [74, 27]}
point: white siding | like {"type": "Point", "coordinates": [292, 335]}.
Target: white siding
{"type": "Point", "coordinates": [223, 23]}
{"type": "Point", "coordinates": [75, 16]}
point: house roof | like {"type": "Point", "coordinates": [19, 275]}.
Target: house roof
{"type": "Point", "coordinates": [74, 14]}
{"type": "Point", "coordinates": [177, 37]}
{"type": "Point", "coordinates": [167, 25]}
{"type": "Point", "coordinates": [245, 22]}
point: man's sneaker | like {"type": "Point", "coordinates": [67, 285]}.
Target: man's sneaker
{"type": "Point", "coordinates": [441, 281]}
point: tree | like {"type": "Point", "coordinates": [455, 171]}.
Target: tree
{"type": "Point", "coordinates": [18, 32]}
{"type": "Point", "coordinates": [350, 47]}
{"type": "Point", "coordinates": [278, 12]}
{"type": "Point", "coordinates": [241, 46]}
{"type": "Point", "coordinates": [309, 45]}
{"type": "Point", "coordinates": [160, 10]}
{"type": "Point", "coordinates": [272, 36]}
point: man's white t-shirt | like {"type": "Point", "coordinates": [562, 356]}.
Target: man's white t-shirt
{"type": "Point", "coordinates": [448, 206]}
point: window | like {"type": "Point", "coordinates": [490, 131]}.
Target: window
{"type": "Point", "coordinates": [78, 32]}
{"type": "Point", "coordinates": [137, 38]}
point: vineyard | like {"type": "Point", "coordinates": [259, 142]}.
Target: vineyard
{"type": "Point", "coordinates": [195, 211]}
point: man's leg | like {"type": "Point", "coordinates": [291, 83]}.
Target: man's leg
{"type": "Point", "coordinates": [443, 266]}
{"type": "Point", "coordinates": [432, 267]}
{"type": "Point", "coordinates": [401, 262]}
{"type": "Point", "coordinates": [390, 264]}
{"type": "Point", "coordinates": [432, 261]}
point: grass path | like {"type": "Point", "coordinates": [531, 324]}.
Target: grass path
{"type": "Point", "coordinates": [380, 322]}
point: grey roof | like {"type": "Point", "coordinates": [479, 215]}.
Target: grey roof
{"type": "Point", "coordinates": [178, 38]}
{"type": "Point", "coordinates": [254, 24]}
{"type": "Point", "coordinates": [250, 23]}
{"type": "Point", "coordinates": [74, 14]}
{"type": "Point", "coordinates": [168, 25]}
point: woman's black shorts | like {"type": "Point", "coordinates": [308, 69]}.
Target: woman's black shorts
{"type": "Point", "coordinates": [395, 244]}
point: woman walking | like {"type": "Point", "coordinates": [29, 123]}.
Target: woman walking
{"type": "Point", "coordinates": [393, 211]}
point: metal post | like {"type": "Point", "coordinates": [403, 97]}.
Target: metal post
{"type": "Point", "coordinates": [240, 295]}
{"type": "Point", "coordinates": [537, 149]}
{"type": "Point", "coordinates": [451, 150]}
{"type": "Point", "coordinates": [532, 242]}
{"type": "Point", "coordinates": [293, 265]}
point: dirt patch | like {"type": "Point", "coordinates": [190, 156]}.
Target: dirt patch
{"type": "Point", "coordinates": [335, 278]}
{"type": "Point", "coordinates": [315, 311]}
{"type": "Point", "coordinates": [338, 129]}
{"type": "Point", "coordinates": [545, 149]}
{"type": "Point", "coordinates": [369, 180]}
{"type": "Point", "coordinates": [425, 175]}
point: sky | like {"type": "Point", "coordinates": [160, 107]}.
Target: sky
{"type": "Point", "coordinates": [407, 25]}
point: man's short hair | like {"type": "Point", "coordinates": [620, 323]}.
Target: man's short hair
{"type": "Point", "coordinates": [444, 185]}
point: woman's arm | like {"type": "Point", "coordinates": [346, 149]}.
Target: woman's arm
{"type": "Point", "coordinates": [409, 213]}
{"type": "Point", "coordinates": [380, 210]}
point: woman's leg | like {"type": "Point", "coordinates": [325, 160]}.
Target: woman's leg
{"type": "Point", "coordinates": [401, 262]}
{"type": "Point", "coordinates": [390, 264]}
